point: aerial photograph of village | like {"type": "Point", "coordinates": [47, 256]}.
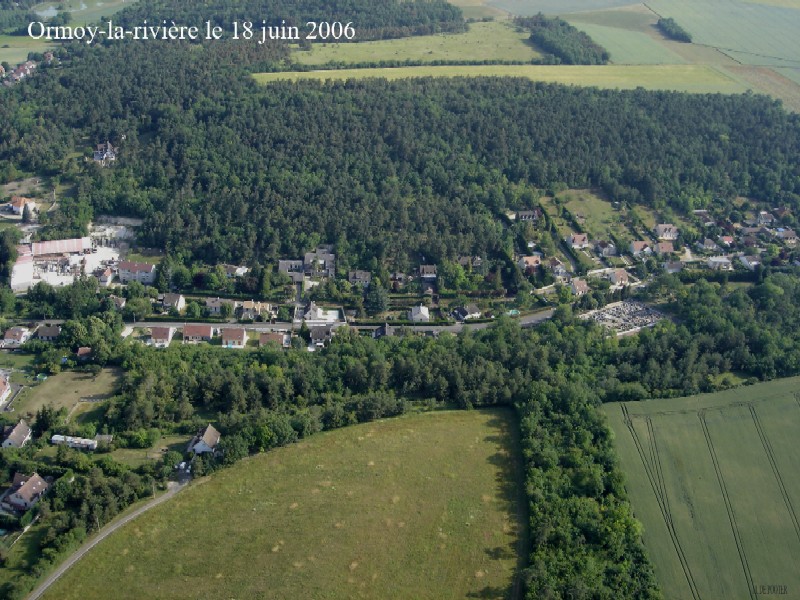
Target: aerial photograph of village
{"type": "Point", "coordinates": [399, 299]}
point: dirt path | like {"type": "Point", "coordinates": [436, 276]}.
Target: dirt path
{"type": "Point", "coordinates": [174, 488]}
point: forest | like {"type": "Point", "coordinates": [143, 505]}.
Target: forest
{"type": "Point", "coordinates": [371, 20]}
{"type": "Point", "coordinates": [222, 169]}
{"type": "Point", "coordinates": [670, 28]}
{"type": "Point", "coordinates": [564, 43]}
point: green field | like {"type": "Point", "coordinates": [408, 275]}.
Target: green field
{"type": "Point", "coordinates": [628, 47]}
{"type": "Point", "coordinates": [479, 9]}
{"type": "Point", "coordinates": [714, 479]}
{"type": "Point", "coordinates": [83, 11]}
{"type": "Point", "coordinates": [422, 506]}
{"type": "Point", "coordinates": [65, 390]}
{"type": "Point", "coordinates": [14, 49]}
{"type": "Point", "coordinates": [596, 215]}
{"type": "Point", "coordinates": [484, 41]}
{"type": "Point", "coordinates": [687, 78]}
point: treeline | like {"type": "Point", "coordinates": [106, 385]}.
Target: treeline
{"type": "Point", "coordinates": [371, 20]}
{"type": "Point", "coordinates": [15, 19]}
{"type": "Point", "coordinates": [567, 44]}
{"type": "Point", "coordinates": [224, 170]}
{"type": "Point", "coordinates": [670, 28]}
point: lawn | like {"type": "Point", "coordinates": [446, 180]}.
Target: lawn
{"type": "Point", "coordinates": [478, 9]}
{"type": "Point", "coordinates": [596, 215]}
{"type": "Point", "coordinates": [714, 480]}
{"type": "Point", "coordinates": [422, 506]}
{"type": "Point", "coordinates": [135, 457]}
{"type": "Point", "coordinates": [66, 390]}
{"type": "Point", "coordinates": [14, 49]}
{"type": "Point", "coordinates": [688, 78]}
{"type": "Point", "coordinates": [484, 41]}
{"type": "Point", "coordinates": [83, 11]}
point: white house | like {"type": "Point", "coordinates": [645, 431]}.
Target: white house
{"type": "Point", "coordinates": [74, 442]}
{"type": "Point", "coordinates": [666, 231]}
{"type": "Point", "coordinates": [234, 337]}
{"type": "Point", "coordinates": [17, 436]}
{"type": "Point", "coordinates": [18, 204]}
{"type": "Point", "coordinates": [176, 301]}
{"type": "Point", "coordinates": [579, 241]}
{"type": "Point", "coordinates": [719, 263]}
{"type": "Point", "coordinates": [136, 271]}
{"type": "Point", "coordinates": [160, 337]}
{"type": "Point", "coordinates": [205, 441]}
{"type": "Point", "coordinates": [419, 314]}
{"type": "Point", "coordinates": [751, 262]}
{"type": "Point", "coordinates": [16, 336]}
{"type": "Point", "coordinates": [26, 491]}
{"type": "Point", "coordinates": [579, 287]}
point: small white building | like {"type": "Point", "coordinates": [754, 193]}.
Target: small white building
{"type": "Point", "coordinates": [419, 314]}
{"type": "Point", "coordinates": [719, 263]}
{"type": "Point", "coordinates": [161, 337]}
{"type": "Point", "coordinates": [205, 441]}
{"type": "Point", "coordinates": [17, 436]}
{"type": "Point", "coordinates": [74, 442]}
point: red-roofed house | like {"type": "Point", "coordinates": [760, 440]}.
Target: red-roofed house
{"type": "Point", "coordinates": [234, 337]}
{"type": "Point", "coordinates": [18, 204]}
{"type": "Point", "coordinates": [160, 337]}
{"type": "Point", "coordinates": [197, 333]}
{"type": "Point", "coordinates": [136, 271]}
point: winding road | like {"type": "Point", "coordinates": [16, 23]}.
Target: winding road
{"type": "Point", "coordinates": [173, 488]}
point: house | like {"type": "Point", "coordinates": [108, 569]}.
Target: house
{"type": "Point", "coordinates": [419, 314]}
{"type": "Point", "coordinates": [16, 436]}
{"type": "Point", "coordinates": [176, 301]}
{"type": "Point", "coordinates": [529, 264]}
{"type": "Point", "coordinates": [726, 240]}
{"type": "Point", "coordinates": [193, 333]}
{"type": "Point", "coordinates": [48, 333]}
{"type": "Point", "coordinates": [5, 388]}
{"type": "Point", "coordinates": [249, 310]}
{"type": "Point", "coordinates": [605, 249]}
{"type": "Point", "coordinates": [160, 337]}
{"type": "Point", "coordinates": [321, 334]}
{"type": "Point", "coordinates": [136, 271]}
{"type": "Point", "coordinates": [106, 277]}
{"type": "Point", "coordinates": [464, 313]}
{"type": "Point", "coordinates": [427, 272]}
{"type": "Point", "coordinates": [118, 302]}
{"type": "Point", "coordinates": [708, 245]}
{"type": "Point", "coordinates": [205, 441]}
{"type": "Point", "coordinates": [579, 287]}
{"type": "Point", "coordinates": [751, 262]}
{"type": "Point", "coordinates": [619, 277]}
{"type": "Point", "coordinates": [719, 263]}
{"type": "Point", "coordinates": [362, 278]}
{"type": "Point", "coordinates": [16, 336]}
{"type": "Point", "coordinates": [384, 330]}
{"type": "Point", "coordinates": [673, 267]}
{"type": "Point", "coordinates": [320, 263]}
{"type": "Point", "coordinates": [787, 236]}
{"type": "Point", "coordinates": [663, 248]}
{"type": "Point", "coordinates": [234, 337]}
{"type": "Point", "coordinates": [474, 263]}
{"type": "Point", "coordinates": [764, 218]}
{"type": "Point", "coordinates": [74, 442]}
{"type": "Point", "coordinates": [293, 268]}
{"type": "Point", "coordinates": [281, 338]}
{"type": "Point", "coordinates": [316, 315]}
{"type": "Point", "coordinates": [578, 241]}
{"type": "Point", "coordinates": [25, 491]}
{"type": "Point", "coordinates": [234, 271]}
{"type": "Point", "coordinates": [641, 248]}
{"type": "Point", "coordinates": [557, 268]}
{"type": "Point", "coordinates": [105, 153]}
{"type": "Point", "coordinates": [83, 353]}
{"type": "Point", "coordinates": [666, 231]}
{"type": "Point", "coordinates": [214, 305]}
{"type": "Point", "coordinates": [18, 204]}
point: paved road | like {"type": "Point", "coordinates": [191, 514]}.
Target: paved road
{"type": "Point", "coordinates": [524, 321]}
{"type": "Point", "coordinates": [174, 488]}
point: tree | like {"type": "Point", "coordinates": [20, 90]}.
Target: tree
{"type": "Point", "coordinates": [226, 310]}
{"type": "Point", "coordinates": [193, 310]}
{"type": "Point", "coordinates": [137, 309]}
{"type": "Point", "coordinates": [27, 214]}
{"type": "Point", "coordinates": [377, 298]}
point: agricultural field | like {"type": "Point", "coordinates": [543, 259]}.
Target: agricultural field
{"type": "Point", "coordinates": [66, 390]}
{"type": "Point", "coordinates": [479, 9]}
{"type": "Point", "coordinates": [630, 47]}
{"type": "Point", "coordinates": [14, 49]}
{"type": "Point", "coordinates": [492, 40]}
{"type": "Point", "coordinates": [554, 7]}
{"type": "Point", "coordinates": [83, 11]}
{"type": "Point", "coordinates": [714, 479]}
{"type": "Point", "coordinates": [685, 78]}
{"type": "Point", "coordinates": [422, 506]}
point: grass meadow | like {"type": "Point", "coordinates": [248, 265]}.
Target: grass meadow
{"type": "Point", "coordinates": [596, 215]}
{"type": "Point", "coordinates": [421, 506]}
{"type": "Point", "coordinates": [66, 390]}
{"type": "Point", "coordinates": [685, 78]}
{"type": "Point", "coordinates": [493, 40]}
{"type": "Point", "coordinates": [714, 479]}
